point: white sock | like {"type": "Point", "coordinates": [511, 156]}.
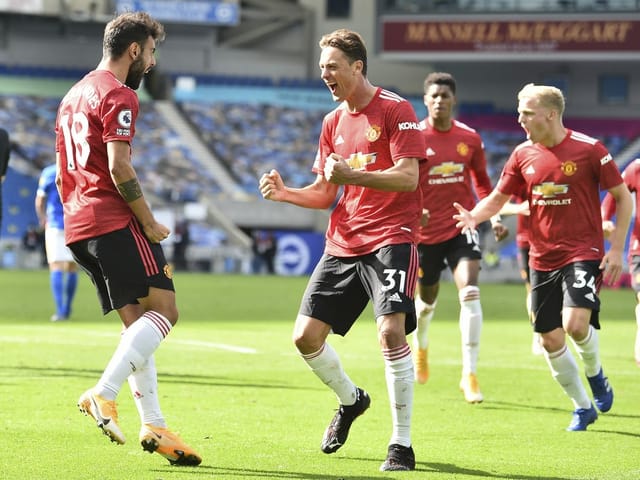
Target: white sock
{"type": "Point", "coordinates": [470, 327]}
{"type": "Point", "coordinates": [424, 312]}
{"type": "Point", "coordinates": [144, 388]}
{"type": "Point", "coordinates": [589, 351]}
{"type": "Point", "coordinates": [325, 363]}
{"type": "Point", "coordinates": [565, 371]}
{"type": "Point", "coordinates": [137, 344]}
{"type": "Point", "coordinates": [398, 368]}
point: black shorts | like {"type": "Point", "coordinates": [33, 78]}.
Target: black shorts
{"type": "Point", "coordinates": [574, 285]}
{"type": "Point", "coordinates": [523, 263]}
{"type": "Point", "coordinates": [435, 258]}
{"type": "Point", "coordinates": [340, 287]}
{"type": "Point", "coordinates": [123, 265]}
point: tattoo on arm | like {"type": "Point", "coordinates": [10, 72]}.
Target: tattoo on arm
{"type": "Point", "coordinates": [130, 190]}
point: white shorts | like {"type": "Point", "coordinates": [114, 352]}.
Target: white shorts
{"type": "Point", "coordinates": [57, 251]}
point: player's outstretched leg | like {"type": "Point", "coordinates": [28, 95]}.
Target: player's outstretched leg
{"type": "Point", "coordinates": [338, 430]}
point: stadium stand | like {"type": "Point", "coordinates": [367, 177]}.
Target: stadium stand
{"type": "Point", "coordinates": [254, 138]}
{"type": "Point", "coordinates": [269, 128]}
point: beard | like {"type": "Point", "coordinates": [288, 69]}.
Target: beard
{"type": "Point", "coordinates": [135, 75]}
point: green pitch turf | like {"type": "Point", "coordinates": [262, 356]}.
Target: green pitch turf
{"type": "Point", "coordinates": [232, 385]}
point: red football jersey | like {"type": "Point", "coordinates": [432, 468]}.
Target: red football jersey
{"type": "Point", "coordinates": [366, 219]}
{"type": "Point", "coordinates": [98, 109]}
{"type": "Point", "coordinates": [631, 177]}
{"type": "Point", "coordinates": [563, 188]}
{"type": "Point", "coordinates": [455, 165]}
{"type": "Point", "coordinates": [522, 222]}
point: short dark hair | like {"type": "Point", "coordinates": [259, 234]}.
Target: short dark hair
{"type": "Point", "coordinates": [127, 28]}
{"type": "Point", "coordinates": [440, 78]}
{"type": "Point", "coordinates": [351, 44]}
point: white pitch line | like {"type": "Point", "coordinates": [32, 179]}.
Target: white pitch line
{"type": "Point", "coordinates": [84, 342]}
{"type": "Point", "coordinates": [219, 346]}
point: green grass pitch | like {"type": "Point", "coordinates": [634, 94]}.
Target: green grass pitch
{"type": "Point", "coordinates": [232, 384]}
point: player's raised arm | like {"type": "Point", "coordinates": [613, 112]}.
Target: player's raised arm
{"type": "Point", "coordinates": [319, 195]}
{"type": "Point", "coordinates": [484, 210]}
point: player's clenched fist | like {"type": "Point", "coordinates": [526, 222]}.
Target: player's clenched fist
{"type": "Point", "coordinates": [271, 186]}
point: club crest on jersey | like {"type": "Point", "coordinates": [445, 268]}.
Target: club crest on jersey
{"type": "Point", "coordinates": [168, 271]}
{"type": "Point", "coordinates": [569, 168]}
{"type": "Point", "coordinates": [373, 133]}
{"type": "Point", "coordinates": [462, 149]}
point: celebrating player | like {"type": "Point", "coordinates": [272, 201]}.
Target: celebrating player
{"type": "Point", "coordinates": [455, 165]}
{"type": "Point", "coordinates": [563, 171]}
{"type": "Point", "coordinates": [370, 145]}
{"type": "Point", "coordinates": [112, 232]}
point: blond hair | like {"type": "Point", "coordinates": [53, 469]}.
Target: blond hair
{"type": "Point", "coordinates": [548, 96]}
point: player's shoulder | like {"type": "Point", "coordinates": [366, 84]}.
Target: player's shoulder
{"type": "Point", "coordinates": [392, 97]}
{"type": "Point", "coordinates": [580, 137]}
{"type": "Point", "coordinates": [464, 131]}
{"type": "Point", "coordinates": [463, 127]}
{"type": "Point", "coordinates": [48, 173]}
{"type": "Point", "coordinates": [633, 167]}
{"type": "Point", "coordinates": [523, 147]}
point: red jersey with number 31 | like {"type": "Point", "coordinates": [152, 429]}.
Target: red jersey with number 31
{"type": "Point", "coordinates": [563, 188]}
{"type": "Point", "coordinates": [366, 219]}
{"type": "Point", "coordinates": [98, 109]}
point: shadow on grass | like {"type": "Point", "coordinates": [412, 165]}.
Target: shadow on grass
{"type": "Point", "coordinates": [450, 468]}
{"type": "Point", "coordinates": [424, 467]}
{"type": "Point", "coordinates": [594, 429]}
{"type": "Point", "coordinates": [497, 405]}
{"type": "Point", "coordinates": [164, 378]}
{"type": "Point", "coordinates": [224, 472]}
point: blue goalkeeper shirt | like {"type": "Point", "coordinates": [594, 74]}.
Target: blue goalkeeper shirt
{"type": "Point", "coordinates": [47, 188]}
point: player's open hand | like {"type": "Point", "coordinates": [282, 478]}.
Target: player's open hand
{"type": "Point", "coordinates": [611, 267]}
{"type": "Point", "coordinates": [464, 218]}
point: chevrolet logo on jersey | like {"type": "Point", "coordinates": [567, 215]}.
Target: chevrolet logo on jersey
{"type": "Point", "coordinates": [358, 161]}
{"type": "Point", "coordinates": [545, 193]}
{"type": "Point", "coordinates": [447, 169]}
{"type": "Point", "coordinates": [549, 189]}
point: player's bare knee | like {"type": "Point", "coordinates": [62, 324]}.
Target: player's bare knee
{"type": "Point", "coordinates": [469, 293]}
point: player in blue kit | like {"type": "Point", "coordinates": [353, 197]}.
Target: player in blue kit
{"type": "Point", "coordinates": [63, 272]}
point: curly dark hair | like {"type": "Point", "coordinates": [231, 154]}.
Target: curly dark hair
{"type": "Point", "coordinates": [127, 28]}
